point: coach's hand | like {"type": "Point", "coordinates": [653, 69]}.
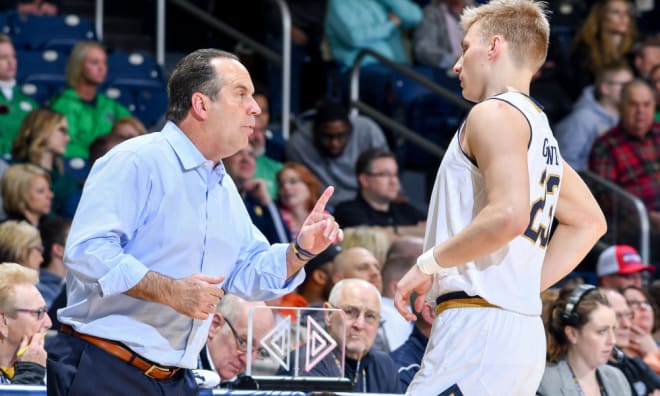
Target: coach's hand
{"type": "Point", "coordinates": [414, 281]}
{"type": "Point", "coordinates": [198, 295]}
{"type": "Point", "coordinates": [320, 229]}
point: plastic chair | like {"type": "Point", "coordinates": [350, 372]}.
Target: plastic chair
{"type": "Point", "coordinates": [146, 99]}
{"type": "Point", "coordinates": [50, 32]}
{"type": "Point", "coordinates": [43, 87]}
{"type": "Point", "coordinates": [39, 62]}
{"type": "Point", "coordinates": [134, 65]}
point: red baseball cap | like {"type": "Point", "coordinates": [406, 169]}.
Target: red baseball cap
{"type": "Point", "coordinates": [621, 260]}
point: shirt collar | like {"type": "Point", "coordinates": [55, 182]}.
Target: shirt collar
{"type": "Point", "coordinates": [189, 155]}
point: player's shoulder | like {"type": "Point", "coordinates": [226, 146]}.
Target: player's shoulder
{"type": "Point", "coordinates": [495, 112]}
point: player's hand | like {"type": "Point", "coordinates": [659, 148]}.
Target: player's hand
{"type": "Point", "coordinates": [320, 229]}
{"type": "Point", "coordinates": [32, 349]}
{"type": "Point", "coordinates": [198, 295]}
{"type": "Point", "coordinates": [414, 281]}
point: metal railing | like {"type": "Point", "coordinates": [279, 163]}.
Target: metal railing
{"type": "Point", "coordinates": [387, 121]}
{"type": "Point", "coordinates": [627, 216]}
{"type": "Point", "coordinates": [283, 59]}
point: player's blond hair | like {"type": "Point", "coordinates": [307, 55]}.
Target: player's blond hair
{"type": "Point", "coordinates": [522, 23]}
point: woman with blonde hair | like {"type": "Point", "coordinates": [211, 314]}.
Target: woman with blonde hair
{"type": "Point", "coordinates": [26, 194]}
{"type": "Point", "coordinates": [90, 113]}
{"type": "Point", "coordinates": [373, 239]}
{"type": "Point", "coordinates": [42, 141]}
{"type": "Point", "coordinates": [23, 324]}
{"type": "Point", "coordinates": [21, 243]}
{"type": "Point", "coordinates": [607, 36]}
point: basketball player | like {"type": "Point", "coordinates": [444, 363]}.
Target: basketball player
{"type": "Point", "coordinates": [488, 252]}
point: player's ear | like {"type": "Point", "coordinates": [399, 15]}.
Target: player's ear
{"type": "Point", "coordinates": [495, 46]}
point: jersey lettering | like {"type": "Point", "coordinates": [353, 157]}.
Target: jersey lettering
{"type": "Point", "coordinates": [540, 230]}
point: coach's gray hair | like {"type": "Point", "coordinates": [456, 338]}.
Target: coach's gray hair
{"type": "Point", "coordinates": [194, 73]}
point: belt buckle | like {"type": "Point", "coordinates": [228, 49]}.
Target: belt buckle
{"type": "Point", "coordinates": [167, 372]}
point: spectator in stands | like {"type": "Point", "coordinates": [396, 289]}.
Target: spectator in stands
{"type": "Point", "coordinates": [629, 154]}
{"type": "Point", "coordinates": [21, 243]}
{"type": "Point", "coordinates": [318, 282]}
{"type": "Point", "coordinates": [373, 239]}
{"type": "Point", "coordinates": [32, 7]}
{"type": "Point", "coordinates": [606, 36]}
{"type": "Point", "coordinates": [642, 344]}
{"type": "Point", "coordinates": [127, 127]}
{"type": "Point", "coordinates": [297, 190]}
{"type": "Point", "coordinates": [641, 378]}
{"type": "Point", "coordinates": [331, 146]}
{"type": "Point", "coordinates": [351, 26]}
{"type": "Point", "coordinates": [226, 347]}
{"type": "Point", "coordinates": [89, 112]}
{"type": "Point", "coordinates": [377, 203]}
{"type": "Point", "coordinates": [582, 329]}
{"type": "Point", "coordinates": [357, 262]}
{"type": "Point", "coordinates": [263, 211]}
{"type": "Point", "coordinates": [596, 112]}
{"type": "Point", "coordinates": [406, 245]}
{"type": "Point", "coordinates": [654, 79]}
{"type": "Point", "coordinates": [368, 369]}
{"type": "Point", "coordinates": [647, 56]}
{"type": "Point", "coordinates": [437, 40]}
{"type": "Point", "coordinates": [620, 266]}
{"type": "Point", "coordinates": [378, 25]}
{"type": "Point", "coordinates": [42, 141]}
{"type": "Point", "coordinates": [26, 194]}
{"type": "Point", "coordinates": [262, 139]}
{"type": "Point", "coordinates": [53, 232]}
{"type": "Point", "coordinates": [14, 105]}
{"type": "Point", "coordinates": [408, 357]}
{"type": "Point", "coordinates": [395, 327]}
{"type": "Point", "coordinates": [22, 328]}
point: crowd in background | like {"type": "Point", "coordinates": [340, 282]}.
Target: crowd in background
{"type": "Point", "coordinates": [603, 103]}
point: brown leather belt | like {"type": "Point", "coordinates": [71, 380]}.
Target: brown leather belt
{"type": "Point", "coordinates": [149, 368]}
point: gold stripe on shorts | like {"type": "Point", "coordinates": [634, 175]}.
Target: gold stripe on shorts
{"type": "Point", "coordinates": [472, 302]}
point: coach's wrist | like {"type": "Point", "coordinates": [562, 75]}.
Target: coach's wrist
{"type": "Point", "coordinates": [427, 263]}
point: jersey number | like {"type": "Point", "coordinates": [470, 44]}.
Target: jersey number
{"type": "Point", "coordinates": [538, 230]}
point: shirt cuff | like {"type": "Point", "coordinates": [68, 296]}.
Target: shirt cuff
{"type": "Point", "coordinates": [122, 277]}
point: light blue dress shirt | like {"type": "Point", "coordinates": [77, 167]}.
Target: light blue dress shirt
{"type": "Point", "coordinates": [154, 203]}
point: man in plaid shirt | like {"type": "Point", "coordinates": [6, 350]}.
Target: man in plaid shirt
{"type": "Point", "coordinates": [629, 154]}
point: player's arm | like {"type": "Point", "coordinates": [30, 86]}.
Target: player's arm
{"type": "Point", "coordinates": [581, 223]}
{"type": "Point", "coordinates": [496, 136]}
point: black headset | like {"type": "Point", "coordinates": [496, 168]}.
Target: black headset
{"type": "Point", "coordinates": [569, 316]}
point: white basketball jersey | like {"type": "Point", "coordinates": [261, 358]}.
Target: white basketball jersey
{"type": "Point", "coordinates": [511, 276]}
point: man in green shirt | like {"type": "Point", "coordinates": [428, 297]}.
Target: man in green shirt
{"type": "Point", "coordinates": [88, 112]}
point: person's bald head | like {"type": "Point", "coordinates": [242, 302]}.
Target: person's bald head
{"type": "Point", "coordinates": [358, 262]}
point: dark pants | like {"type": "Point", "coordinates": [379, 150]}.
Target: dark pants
{"type": "Point", "coordinates": [76, 367]}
